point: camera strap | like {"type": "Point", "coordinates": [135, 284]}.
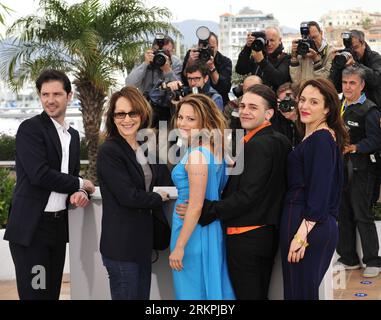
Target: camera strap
{"type": "Point", "coordinates": [323, 53]}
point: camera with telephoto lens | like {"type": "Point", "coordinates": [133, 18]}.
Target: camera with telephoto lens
{"type": "Point", "coordinates": [160, 58]}
{"type": "Point", "coordinates": [305, 43]}
{"type": "Point", "coordinates": [203, 35]}
{"type": "Point", "coordinates": [260, 42]}
{"type": "Point", "coordinates": [343, 55]}
{"type": "Point", "coordinates": [287, 104]}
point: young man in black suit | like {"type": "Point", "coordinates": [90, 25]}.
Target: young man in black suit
{"type": "Point", "coordinates": [251, 203]}
{"type": "Point", "coordinates": [47, 168]}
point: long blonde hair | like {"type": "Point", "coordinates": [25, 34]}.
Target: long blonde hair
{"type": "Point", "coordinates": [212, 121]}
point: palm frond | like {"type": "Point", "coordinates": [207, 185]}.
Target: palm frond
{"type": "Point", "coordinates": [4, 10]}
{"type": "Point", "coordinates": [94, 40]}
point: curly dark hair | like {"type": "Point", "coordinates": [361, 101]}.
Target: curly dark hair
{"type": "Point", "coordinates": [332, 103]}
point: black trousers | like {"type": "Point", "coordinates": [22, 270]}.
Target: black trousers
{"type": "Point", "coordinates": [39, 267]}
{"type": "Point", "coordinates": [250, 258]}
{"type": "Point", "coordinates": [356, 211]}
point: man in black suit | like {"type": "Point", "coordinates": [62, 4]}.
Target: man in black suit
{"type": "Point", "coordinates": [251, 203]}
{"type": "Point", "coordinates": [47, 168]}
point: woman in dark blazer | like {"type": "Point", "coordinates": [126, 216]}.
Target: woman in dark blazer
{"type": "Point", "coordinates": [126, 180]}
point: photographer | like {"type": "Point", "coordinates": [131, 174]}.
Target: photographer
{"type": "Point", "coordinates": [362, 118]}
{"type": "Point", "coordinates": [284, 120]}
{"type": "Point", "coordinates": [362, 56]}
{"type": "Point", "coordinates": [311, 56]}
{"type": "Point", "coordinates": [219, 67]}
{"type": "Point", "coordinates": [146, 75]}
{"type": "Point", "coordinates": [159, 65]}
{"type": "Point", "coordinates": [270, 62]}
{"type": "Point", "coordinates": [198, 80]}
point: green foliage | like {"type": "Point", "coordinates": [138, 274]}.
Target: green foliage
{"type": "Point", "coordinates": [7, 147]}
{"type": "Point", "coordinates": [88, 39]}
{"type": "Point", "coordinates": [237, 78]}
{"type": "Point", "coordinates": [367, 23]}
{"type": "Point", "coordinates": [4, 10]}
{"type": "Point", "coordinates": [7, 183]}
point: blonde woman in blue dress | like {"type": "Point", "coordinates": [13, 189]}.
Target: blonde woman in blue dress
{"type": "Point", "coordinates": [198, 255]}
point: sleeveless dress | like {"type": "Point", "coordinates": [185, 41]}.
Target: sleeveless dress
{"type": "Point", "coordinates": [204, 275]}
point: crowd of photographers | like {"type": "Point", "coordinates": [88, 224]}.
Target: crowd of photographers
{"type": "Point", "coordinates": [164, 79]}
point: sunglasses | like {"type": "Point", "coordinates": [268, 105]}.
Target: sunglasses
{"type": "Point", "coordinates": [122, 115]}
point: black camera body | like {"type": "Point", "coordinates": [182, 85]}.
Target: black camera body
{"type": "Point", "coordinates": [341, 59]}
{"type": "Point", "coordinates": [260, 42]}
{"type": "Point", "coordinates": [160, 58]}
{"type": "Point", "coordinates": [205, 53]}
{"type": "Point", "coordinates": [181, 92]}
{"type": "Point", "coordinates": [238, 91]}
{"type": "Point", "coordinates": [287, 104]}
{"type": "Point", "coordinates": [305, 43]}
{"type": "Point", "coordinates": [162, 96]}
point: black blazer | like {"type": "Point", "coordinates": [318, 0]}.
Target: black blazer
{"type": "Point", "coordinates": [255, 196]}
{"type": "Point", "coordinates": [127, 207]}
{"type": "Point", "coordinates": [38, 170]}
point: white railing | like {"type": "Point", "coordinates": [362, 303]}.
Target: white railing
{"type": "Point", "coordinates": [11, 164]}
{"type": "Point", "coordinates": [27, 112]}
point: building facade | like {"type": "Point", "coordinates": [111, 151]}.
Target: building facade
{"type": "Point", "coordinates": [234, 28]}
{"type": "Point", "coordinates": [351, 19]}
{"type": "Point", "coordinates": [336, 22]}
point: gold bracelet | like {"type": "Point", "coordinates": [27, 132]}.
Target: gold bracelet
{"type": "Point", "coordinates": [301, 241]}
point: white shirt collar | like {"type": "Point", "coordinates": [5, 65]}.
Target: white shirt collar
{"type": "Point", "coordinates": [65, 126]}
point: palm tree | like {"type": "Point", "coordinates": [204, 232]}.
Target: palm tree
{"type": "Point", "coordinates": [3, 10]}
{"type": "Point", "coordinates": [88, 40]}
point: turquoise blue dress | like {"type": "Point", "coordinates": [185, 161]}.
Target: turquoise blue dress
{"type": "Point", "coordinates": [205, 274]}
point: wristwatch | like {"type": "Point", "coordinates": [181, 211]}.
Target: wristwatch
{"type": "Point", "coordinates": [212, 70]}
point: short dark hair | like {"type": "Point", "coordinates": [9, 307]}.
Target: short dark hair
{"type": "Point", "coordinates": [314, 24]}
{"type": "Point", "coordinates": [358, 35]}
{"type": "Point", "coordinates": [266, 93]}
{"type": "Point", "coordinates": [332, 103]}
{"type": "Point", "coordinates": [167, 39]}
{"type": "Point", "coordinates": [197, 66]}
{"type": "Point", "coordinates": [212, 34]}
{"type": "Point", "coordinates": [139, 104]}
{"type": "Point", "coordinates": [53, 75]}
{"type": "Point", "coordinates": [288, 86]}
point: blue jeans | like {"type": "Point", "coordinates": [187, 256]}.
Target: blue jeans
{"type": "Point", "coordinates": [128, 280]}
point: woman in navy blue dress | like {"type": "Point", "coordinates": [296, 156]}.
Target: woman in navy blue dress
{"type": "Point", "coordinates": [309, 231]}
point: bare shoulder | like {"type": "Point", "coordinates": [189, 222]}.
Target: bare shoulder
{"type": "Point", "coordinates": [197, 157]}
